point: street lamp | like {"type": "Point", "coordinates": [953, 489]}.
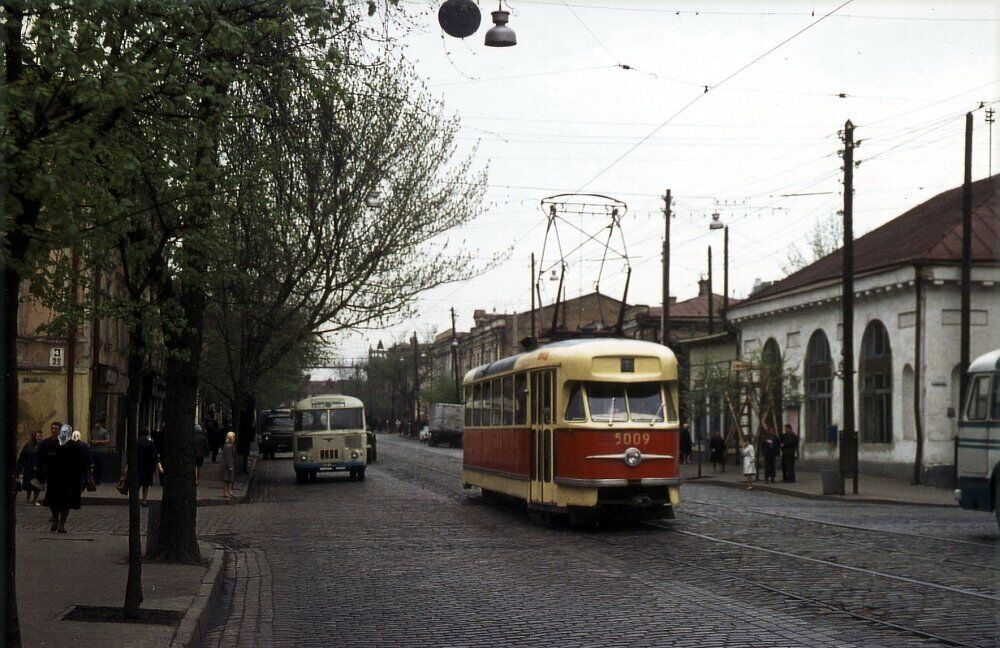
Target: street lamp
{"type": "Point", "coordinates": [500, 35]}
{"type": "Point", "coordinates": [717, 224]}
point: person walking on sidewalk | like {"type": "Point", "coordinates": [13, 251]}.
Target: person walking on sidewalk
{"type": "Point", "coordinates": [770, 447]}
{"type": "Point", "coordinates": [717, 449]}
{"type": "Point", "coordinates": [749, 462]}
{"type": "Point", "coordinates": [789, 450]}
{"type": "Point", "coordinates": [63, 464]}
{"type": "Point", "coordinates": [201, 450]}
{"type": "Point", "coordinates": [228, 465]}
{"type": "Point", "coordinates": [27, 462]}
{"type": "Point", "coordinates": [686, 444]}
{"type": "Point", "coordinates": [88, 458]}
{"type": "Point", "coordinates": [149, 463]}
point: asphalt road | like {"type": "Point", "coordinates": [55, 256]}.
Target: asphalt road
{"type": "Point", "coordinates": [409, 558]}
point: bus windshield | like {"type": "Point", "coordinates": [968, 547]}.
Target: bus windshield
{"type": "Point", "coordinates": [311, 420]}
{"type": "Point", "coordinates": [612, 402]}
{"type": "Point", "coordinates": [346, 419]}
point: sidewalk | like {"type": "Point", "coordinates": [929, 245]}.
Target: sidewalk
{"type": "Point", "coordinates": [209, 488]}
{"type": "Point", "coordinates": [57, 572]}
{"type": "Point", "coordinates": [872, 489]}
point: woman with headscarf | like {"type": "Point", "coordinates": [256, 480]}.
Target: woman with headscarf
{"type": "Point", "coordinates": [62, 462]}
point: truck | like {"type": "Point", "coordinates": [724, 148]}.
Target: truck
{"type": "Point", "coordinates": [445, 424]}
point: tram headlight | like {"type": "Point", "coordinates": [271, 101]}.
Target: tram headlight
{"type": "Point", "coordinates": [633, 457]}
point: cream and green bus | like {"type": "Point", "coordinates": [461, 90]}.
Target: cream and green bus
{"type": "Point", "coordinates": [328, 435]}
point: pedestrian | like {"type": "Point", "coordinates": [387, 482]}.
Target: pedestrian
{"type": "Point", "coordinates": [749, 462]}
{"type": "Point", "coordinates": [100, 446]}
{"type": "Point", "coordinates": [201, 449]}
{"type": "Point", "coordinates": [789, 450]}
{"type": "Point", "coordinates": [62, 463]}
{"type": "Point", "coordinates": [88, 459]}
{"type": "Point", "coordinates": [159, 437]}
{"type": "Point", "coordinates": [148, 463]}
{"type": "Point", "coordinates": [27, 462]}
{"type": "Point", "coordinates": [770, 447]}
{"type": "Point", "coordinates": [717, 450]}
{"type": "Point", "coordinates": [228, 465]}
{"type": "Point", "coordinates": [686, 444]}
{"type": "Point", "coordinates": [215, 437]}
{"type": "Point", "coordinates": [99, 435]}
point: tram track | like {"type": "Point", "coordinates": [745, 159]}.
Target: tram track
{"type": "Point", "coordinates": [739, 564]}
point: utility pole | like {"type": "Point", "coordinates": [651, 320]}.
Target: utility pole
{"type": "Point", "coordinates": [989, 121]}
{"type": "Point", "coordinates": [849, 435]}
{"type": "Point", "coordinates": [454, 354]}
{"type": "Point", "coordinates": [416, 379]}
{"type": "Point", "coordinates": [532, 290]}
{"type": "Point", "coordinates": [725, 274]}
{"type": "Point", "coordinates": [966, 257]}
{"type": "Point", "coordinates": [711, 298]}
{"type": "Point", "coordinates": [665, 309]}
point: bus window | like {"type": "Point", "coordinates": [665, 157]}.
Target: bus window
{"type": "Point", "coordinates": [979, 399]}
{"type": "Point", "coordinates": [606, 401]}
{"type": "Point", "coordinates": [645, 402]}
{"type": "Point", "coordinates": [310, 420]}
{"type": "Point", "coordinates": [574, 408]}
{"type": "Point", "coordinates": [996, 398]}
{"type": "Point", "coordinates": [346, 419]}
{"type": "Point", "coordinates": [520, 398]}
{"type": "Point", "coordinates": [508, 400]}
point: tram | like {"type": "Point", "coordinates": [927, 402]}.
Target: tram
{"type": "Point", "coordinates": [979, 437]}
{"type": "Point", "coordinates": [582, 427]}
{"type": "Point", "coordinates": [328, 434]}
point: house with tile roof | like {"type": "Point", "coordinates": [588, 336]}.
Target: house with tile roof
{"type": "Point", "coordinates": [907, 316]}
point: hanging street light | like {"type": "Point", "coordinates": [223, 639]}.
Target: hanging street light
{"type": "Point", "coordinates": [500, 35]}
{"type": "Point", "coordinates": [459, 18]}
{"type": "Point", "coordinates": [716, 224]}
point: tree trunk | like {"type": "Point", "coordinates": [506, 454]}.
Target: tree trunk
{"type": "Point", "coordinates": [9, 283]}
{"type": "Point", "coordinates": [179, 513]}
{"type": "Point", "coordinates": [133, 586]}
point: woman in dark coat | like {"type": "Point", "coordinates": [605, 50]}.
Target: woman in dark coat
{"type": "Point", "coordinates": [717, 446]}
{"type": "Point", "coordinates": [149, 463]}
{"type": "Point", "coordinates": [62, 462]}
{"type": "Point", "coordinates": [27, 461]}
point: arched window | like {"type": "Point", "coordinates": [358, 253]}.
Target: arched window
{"type": "Point", "coordinates": [819, 387]}
{"type": "Point", "coordinates": [771, 378]}
{"type": "Point", "coordinates": [876, 385]}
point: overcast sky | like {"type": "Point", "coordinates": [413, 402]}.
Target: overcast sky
{"type": "Point", "coordinates": [557, 114]}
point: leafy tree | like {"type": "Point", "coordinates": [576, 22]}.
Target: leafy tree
{"type": "Point", "coordinates": [825, 238]}
{"type": "Point", "coordinates": [442, 391]}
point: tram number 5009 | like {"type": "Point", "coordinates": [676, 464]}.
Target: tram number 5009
{"type": "Point", "coordinates": [631, 438]}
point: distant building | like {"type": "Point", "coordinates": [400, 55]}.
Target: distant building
{"type": "Point", "coordinates": [907, 314]}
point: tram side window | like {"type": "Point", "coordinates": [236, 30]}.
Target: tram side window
{"type": "Point", "coordinates": [468, 405]}
{"type": "Point", "coordinates": [669, 398]}
{"type": "Point", "coordinates": [520, 398]}
{"type": "Point", "coordinates": [477, 396]}
{"type": "Point", "coordinates": [574, 408]}
{"type": "Point", "coordinates": [497, 402]}
{"type": "Point", "coordinates": [979, 399]}
{"type": "Point", "coordinates": [547, 396]}
{"type": "Point", "coordinates": [508, 400]}
{"type": "Point", "coordinates": [536, 399]}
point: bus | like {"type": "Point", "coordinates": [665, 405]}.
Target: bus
{"type": "Point", "coordinates": [328, 434]}
{"type": "Point", "coordinates": [978, 464]}
{"type": "Point", "coordinates": [583, 427]}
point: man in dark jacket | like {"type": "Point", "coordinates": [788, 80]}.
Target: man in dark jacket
{"type": "Point", "coordinates": [201, 450]}
{"type": "Point", "coordinates": [27, 461]}
{"type": "Point", "coordinates": [62, 463]}
{"type": "Point", "coordinates": [717, 448]}
{"type": "Point", "coordinates": [789, 450]}
{"type": "Point", "coordinates": [770, 447]}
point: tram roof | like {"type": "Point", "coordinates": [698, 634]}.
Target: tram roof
{"type": "Point", "coordinates": [328, 401]}
{"type": "Point", "coordinates": [986, 362]}
{"type": "Point", "coordinates": [556, 353]}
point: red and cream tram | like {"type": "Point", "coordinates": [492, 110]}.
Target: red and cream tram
{"type": "Point", "coordinates": [579, 427]}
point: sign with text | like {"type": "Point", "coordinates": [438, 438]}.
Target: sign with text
{"type": "Point", "coordinates": [56, 357]}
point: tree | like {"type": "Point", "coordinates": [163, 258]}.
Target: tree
{"type": "Point", "coordinates": [825, 238]}
{"type": "Point", "coordinates": [442, 391]}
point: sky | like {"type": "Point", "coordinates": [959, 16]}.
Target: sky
{"type": "Point", "coordinates": [609, 97]}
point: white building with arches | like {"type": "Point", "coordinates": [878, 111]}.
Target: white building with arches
{"type": "Point", "coordinates": [906, 334]}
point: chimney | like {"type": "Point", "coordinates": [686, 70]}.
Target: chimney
{"type": "Point", "coordinates": [702, 287]}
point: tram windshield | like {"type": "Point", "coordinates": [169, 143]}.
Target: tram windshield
{"type": "Point", "coordinates": [616, 402]}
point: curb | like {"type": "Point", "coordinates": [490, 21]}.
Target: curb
{"type": "Point", "coordinates": [853, 499]}
{"type": "Point", "coordinates": [251, 475]}
{"type": "Point", "coordinates": [121, 501]}
{"type": "Point", "coordinates": [195, 622]}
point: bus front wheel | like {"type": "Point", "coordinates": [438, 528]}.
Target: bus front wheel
{"type": "Point", "coordinates": [300, 476]}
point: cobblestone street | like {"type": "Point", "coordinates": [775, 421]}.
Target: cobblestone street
{"type": "Point", "coordinates": [409, 558]}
